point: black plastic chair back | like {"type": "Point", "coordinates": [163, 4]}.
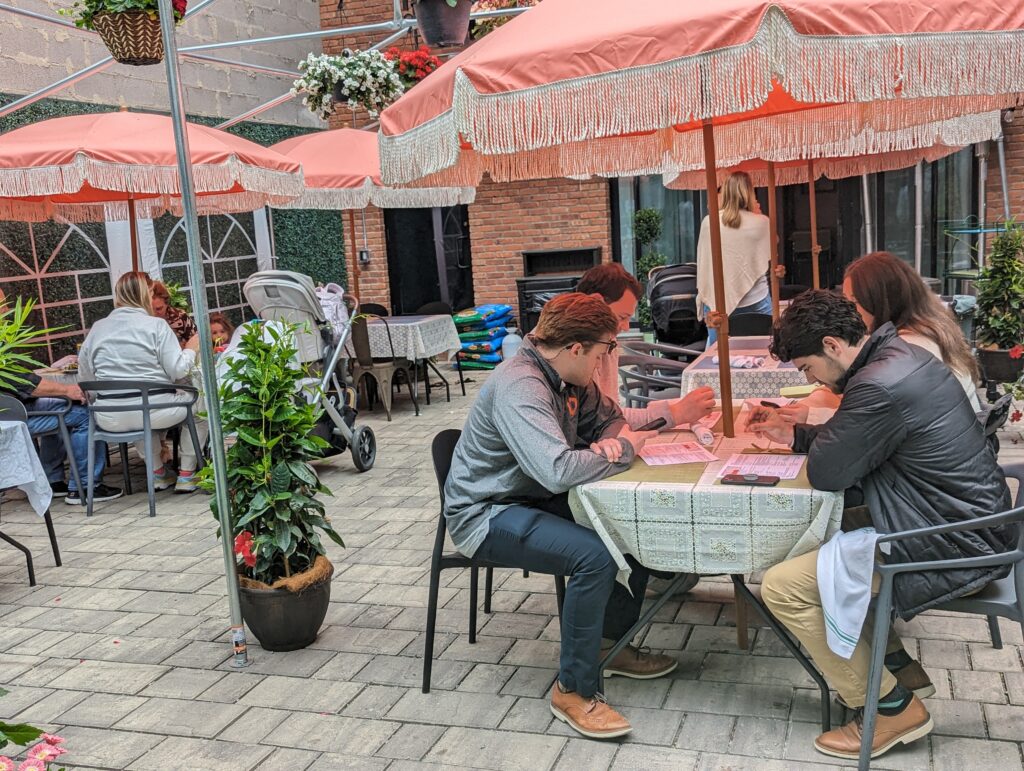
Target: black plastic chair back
{"type": "Point", "coordinates": [437, 308]}
{"type": "Point", "coordinates": [441, 451]}
{"type": "Point", "coordinates": [374, 309]}
{"type": "Point", "coordinates": [361, 340]}
{"type": "Point", "coordinates": [750, 325]}
{"type": "Point", "coordinates": [998, 414]}
{"type": "Point", "coordinates": [12, 409]}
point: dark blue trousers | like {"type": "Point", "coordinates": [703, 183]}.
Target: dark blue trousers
{"type": "Point", "coordinates": [546, 540]}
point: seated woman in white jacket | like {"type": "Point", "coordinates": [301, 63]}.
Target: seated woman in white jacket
{"type": "Point", "coordinates": [746, 256]}
{"type": "Point", "coordinates": [133, 344]}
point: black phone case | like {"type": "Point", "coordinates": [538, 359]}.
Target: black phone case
{"type": "Point", "coordinates": [739, 479]}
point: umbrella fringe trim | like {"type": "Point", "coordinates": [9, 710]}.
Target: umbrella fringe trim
{"type": "Point", "coordinates": [381, 197]}
{"type": "Point", "coordinates": [813, 69]}
{"type": "Point", "coordinates": [69, 178]}
{"type": "Point", "coordinates": [117, 211]}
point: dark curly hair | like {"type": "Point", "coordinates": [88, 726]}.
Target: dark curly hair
{"type": "Point", "coordinates": [811, 317]}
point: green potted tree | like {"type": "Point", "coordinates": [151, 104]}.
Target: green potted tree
{"type": "Point", "coordinates": [277, 519]}
{"type": "Point", "coordinates": [16, 337]}
{"type": "Point", "coordinates": [647, 225]}
{"type": "Point", "coordinates": [999, 320]}
{"type": "Point", "coordinates": [443, 23]}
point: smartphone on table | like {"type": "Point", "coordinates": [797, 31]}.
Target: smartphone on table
{"type": "Point", "coordinates": [754, 480]}
{"type": "Point", "coordinates": [654, 425]}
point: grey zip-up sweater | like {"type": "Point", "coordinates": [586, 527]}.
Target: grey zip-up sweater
{"type": "Point", "coordinates": [526, 440]}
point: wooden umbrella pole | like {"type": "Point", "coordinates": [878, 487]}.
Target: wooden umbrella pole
{"type": "Point", "coordinates": [773, 235]}
{"type": "Point", "coordinates": [724, 373]}
{"type": "Point", "coordinates": [355, 253]}
{"type": "Point", "coordinates": [133, 230]}
{"type": "Point", "coordinates": [815, 249]}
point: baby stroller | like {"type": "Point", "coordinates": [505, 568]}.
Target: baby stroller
{"type": "Point", "coordinates": [284, 296]}
{"type": "Point", "coordinates": [672, 296]}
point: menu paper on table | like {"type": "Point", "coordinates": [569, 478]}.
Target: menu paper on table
{"type": "Point", "coordinates": [675, 453]}
{"type": "Point", "coordinates": [781, 466]}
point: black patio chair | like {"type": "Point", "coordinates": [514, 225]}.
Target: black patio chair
{"type": "Point", "coordinates": [750, 325]}
{"type": "Point", "coordinates": [61, 430]}
{"type": "Point", "coordinates": [12, 409]}
{"type": "Point", "coordinates": [1001, 598]}
{"type": "Point", "coordinates": [374, 309]}
{"type": "Point", "coordinates": [442, 449]}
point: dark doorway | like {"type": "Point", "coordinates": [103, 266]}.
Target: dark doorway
{"type": "Point", "coordinates": [839, 229]}
{"type": "Point", "coordinates": [422, 245]}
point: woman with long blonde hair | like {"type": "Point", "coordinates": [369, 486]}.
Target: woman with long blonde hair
{"type": "Point", "coordinates": [746, 254]}
{"type": "Point", "coordinates": [133, 344]}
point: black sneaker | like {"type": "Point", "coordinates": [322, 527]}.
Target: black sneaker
{"type": "Point", "coordinates": [59, 488]}
{"type": "Point", "coordinates": [99, 493]}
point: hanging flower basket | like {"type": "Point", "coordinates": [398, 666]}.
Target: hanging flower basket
{"type": "Point", "coordinates": [366, 79]}
{"type": "Point", "coordinates": [443, 23]}
{"type": "Point", "coordinates": [132, 37]}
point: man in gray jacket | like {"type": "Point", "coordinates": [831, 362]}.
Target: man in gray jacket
{"type": "Point", "coordinates": [540, 426]}
{"type": "Point", "coordinates": [906, 435]}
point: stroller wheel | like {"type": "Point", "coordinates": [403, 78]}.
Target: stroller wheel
{"type": "Point", "coordinates": [364, 448]}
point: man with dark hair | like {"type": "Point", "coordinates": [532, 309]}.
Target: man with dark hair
{"type": "Point", "coordinates": [622, 292]}
{"type": "Point", "coordinates": [906, 436]}
{"type": "Point", "coordinates": [539, 427]}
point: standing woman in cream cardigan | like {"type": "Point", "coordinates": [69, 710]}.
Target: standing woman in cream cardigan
{"type": "Point", "coordinates": [746, 256]}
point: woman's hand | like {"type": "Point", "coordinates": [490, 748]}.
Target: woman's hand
{"type": "Point", "coordinates": [193, 344]}
{"type": "Point", "coordinates": [713, 319]}
{"type": "Point", "coordinates": [780, 271]}
{"type": "Point", "coordinates": [610, 449]}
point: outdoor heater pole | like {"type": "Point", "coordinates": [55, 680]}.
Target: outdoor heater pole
{"type": "Point", "coordinates": [815, 249]}
{"type": "Point", "coordinates": [724, 373]}
{"type": "Point", "coordinates": [773, 236]}
{"type": "Point", "coordinates": [195, 264]}
{"type": "Point", "coordinates": [133, 230]}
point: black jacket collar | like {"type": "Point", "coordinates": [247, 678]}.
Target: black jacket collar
{"type": "Point", "coordinates": [879, 339]}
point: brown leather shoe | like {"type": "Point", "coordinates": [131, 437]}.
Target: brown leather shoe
{"type": "Point", "coordinates": [912, 677]}
{"type": "Point", "coordinates": [591, 717]}
{"type": "Point", "coordinates": [639, 663]}
{"type": "Point", "coordinates": [844, 742]}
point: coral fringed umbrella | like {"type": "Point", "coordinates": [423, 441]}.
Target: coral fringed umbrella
{"type": "Point", "coordinates": [575, 87]}
{"type": "Point", "coordinates": [123, 165]}
{"type": "Point", "coordinates": [342, 171]}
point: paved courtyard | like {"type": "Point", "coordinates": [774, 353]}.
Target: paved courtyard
{"type": "Point", "coordinates": [124, 651]}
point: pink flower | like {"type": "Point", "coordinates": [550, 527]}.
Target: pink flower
{"type": "Point", "coordinates": [52, 739]}
{"type": "Point", "coordinates": [45, 752]}
{"type": "Point", "coordinates": [6, 764]}
{"type": "Point", "coordinates": [1016, 416]}
{"type": "Point", "coordinates": [32, 764]}
{"type": "Point", "coordinates": [1016, 352]}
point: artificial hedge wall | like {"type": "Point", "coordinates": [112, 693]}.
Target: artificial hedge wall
{"type": "Point", "coordinates": [305, 240]}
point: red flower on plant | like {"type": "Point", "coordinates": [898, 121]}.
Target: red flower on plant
{"type": "Point", "coordinates": [413, 66]}
{"type": "Point", "coordinates": [179, 6]}
{"type": "Point", "coordinates": [1016, 416]}
{"type": "Point", "coordinates": [243, 548]}
{"type": "Point", "coordinates": [1016, 352]}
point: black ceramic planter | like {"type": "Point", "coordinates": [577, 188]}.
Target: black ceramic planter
{"type": "Point", "coordinates": [283, 620]}
{"type": "Point", "coordinates": [441, 25]}
{"type": "Point", "coordinates": [997, 366]}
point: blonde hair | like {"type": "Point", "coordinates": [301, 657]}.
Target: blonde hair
{"type": "Point", "coordinates": [133, 291]}
{"type": "Point", "coordinates": [737, 196]}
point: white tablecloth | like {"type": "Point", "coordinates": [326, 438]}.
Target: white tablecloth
{"type": "Point", "coordinates": [413, 337]}
{"type": "Point", "coordinates": [682, 519]}
{"type": "Point", "coordinates": [20, 466]}
{"type": "Point", "coordinates": [746, 383]}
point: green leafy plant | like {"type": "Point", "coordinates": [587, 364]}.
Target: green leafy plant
{"type": "Point", "coordinates": [276, 518]}
{"type": "Point", "coordinates": [647, 227]}
{"type": "Point", "coordinates": [999, 321]}
{"type": "Point", "coordinates": [16, 336]}
{"type": "Point", "coordinates": [84, 11]}
{"type": "Point", "coordinates": [179, 297]}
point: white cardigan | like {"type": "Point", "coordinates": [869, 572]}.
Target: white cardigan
{"type": "Point", "coordinates": [746, 256]}
{"type": "Point", "coordinates": [129, 344]}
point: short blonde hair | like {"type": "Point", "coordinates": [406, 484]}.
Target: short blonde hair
{"type": "Point", "coordinates": [133, 291]}
{"type": "Point", "coordinates": [575, 318]}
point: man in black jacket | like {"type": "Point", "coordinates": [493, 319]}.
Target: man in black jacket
{"type": "Point", "coordinates": [906, 436]}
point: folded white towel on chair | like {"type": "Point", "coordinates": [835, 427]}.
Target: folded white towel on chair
{"type": "Point", "coordinates": [846, 564]}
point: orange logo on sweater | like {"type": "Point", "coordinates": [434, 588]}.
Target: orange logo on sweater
{"type": "Point", "coordinates": [572, 404]}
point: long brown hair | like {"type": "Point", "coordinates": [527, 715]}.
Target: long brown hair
{"type": "Point", "coordinates": [737, 196]}
{"type": "Point", "coordinates": [890, 290]}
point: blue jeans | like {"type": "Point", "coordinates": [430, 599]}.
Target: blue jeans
{"type": "Point", "coordinates": [595, 606]}
{"type": "Point", "coordinates": [761, 306]}
{"type": "Point", "coordinates": [51, 448]}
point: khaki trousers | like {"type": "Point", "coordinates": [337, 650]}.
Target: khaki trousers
{"type": "Point", "coordinates": [790, 590]}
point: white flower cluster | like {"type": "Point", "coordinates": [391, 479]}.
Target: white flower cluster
{"type": "Point", "coordinates": [364, 78]}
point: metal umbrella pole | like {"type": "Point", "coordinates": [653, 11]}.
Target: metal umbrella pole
{"type": "Point", "coordinates": [195, 265]}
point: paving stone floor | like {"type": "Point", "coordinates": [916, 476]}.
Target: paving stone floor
{"type": "Point", "coordinates": [124, 651]}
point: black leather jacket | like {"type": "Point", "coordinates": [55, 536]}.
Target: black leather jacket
{"type": "Point", "coordinates": [906, 434]}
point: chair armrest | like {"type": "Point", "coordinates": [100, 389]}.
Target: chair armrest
{"type": "Point", "coordinates": [61, 412]}
{"type": "Point", "coordinates": [992, 520]}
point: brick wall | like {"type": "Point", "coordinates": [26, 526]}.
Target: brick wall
{"type": "Point", "coordinates": [1014, 143]}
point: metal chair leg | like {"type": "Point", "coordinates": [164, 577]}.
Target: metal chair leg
{"type": "Point", "coordinates": [879, 637]}
{"type": "Point", "coordinates": [488, 586]}
{"type": "Point", "coordinates": [993, 630]}
{"type": "Point", "coordinates": [428, 638]}
{"type": "Point", "coordinates": [53, 536]}
{"type": "Point", "coordinates": [150, 468]}
{"type": "Point", "coordinates": [474, 582]}
{"type": "Point", "coordinates": [28, 556]}
{"type": "Point", "coordinates": [123, 449]}
{"type": "Point", "coordinates": [90, 468]}
{"type": "Point", "coordinates": [65, 436]}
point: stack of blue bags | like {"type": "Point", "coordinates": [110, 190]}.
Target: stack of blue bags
{"type": "Point", "coordinates": [482, 330]}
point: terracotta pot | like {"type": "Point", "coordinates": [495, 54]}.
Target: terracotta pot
{"type": "Point", "coordinates": [441, 25]}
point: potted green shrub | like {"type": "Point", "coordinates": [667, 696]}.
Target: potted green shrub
{"type": "Point", "coordinates": [999, 320]}
{"type": "Point", "coordinates": [130, 29]}
{"type": "Point", "coordinates": [443, 23]}
{"type": "Point", "coordinates": [277, 520]}
{"type": "Point", "coordinates": [647, 224]}
{"type": "Point", "coordinates": [16, 337]}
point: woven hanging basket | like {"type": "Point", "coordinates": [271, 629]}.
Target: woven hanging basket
{"type": "Point", "coordinates": [131, 36]}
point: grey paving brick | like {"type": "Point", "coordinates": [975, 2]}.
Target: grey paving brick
{"type": "Point", "coordinates": [705, 732]}
{"type": "Point", "coordinates": [583, 753]}
{"type": "Point", "coordinates": [715, 762]}
{"type": "Point", "coordinates": [730, 698]}
{"type": "Point", "coordinates": [332, 762]}
{"type": "Point", "coordinates": [332, 733]}
{"type": "Point", "coordinates": [12, 666]}
{"type": "Point", "coordinates": [180, 754]}
{"type": "Point", "coordinates": [486, 649]}
{"type": "Point", "coordinates": [756, 670]}
{"type": "Point", "coordinates": [231, 687]}
{"type": "Point", "coordinates": [528, 715]}
{"type": "Point", "coordinates": [408, 672]}
{"type": "Point", "coordinates": [105, 748]}
{"type": "Point", "coordinates": [759, 737]}
{"type": "Point", "coordinates": [632, 757]}
{"type": "Point", "coordinates": [47, 709]}
{"type": "Point", "coordinates": [474, 710]}
{"type": "Point", "coordinates": [108, 677]}
{"type": "Point", "coordinates": [369, 640]}
{"type": "Point", "coordinates": [411, 742]}
{"type": "Point", "coordinates": [486, 678]}
{"type": "Point", "coordinates": [253, 725]}
{"type": "Point", "coordinates": [182, 683]}
{"type": "Point", "coordinates": [373, 701]}
{"type": "Point", "coordinates": [132, 649]}
{"type": "Point", "coordinates": [300, 663]}
{"type": "Point", "coordinates": [1014, 686]}
{"type": "Point", "coordinates": [533, 653]}
{"type": "Point", "coordinates": [955, 754]}
{"type": "Point", "coordinates": [530, 681]}
{"type": "Point", "coordinates": [176, 717]}
{"type": "Point", "coordinates": [977, 686]}
{"type": "Point", "coordinates": [376, 616]}
{"type": "Point", "coordinates": [299, 694]}
{"type": "Point", "coordinates": [285, 759]}
{"type": "Point", "coordinates": [517, 626]}
{"type": "Point", "coordinates": [944, 653]}
{"type": "Point", "coordinates": [100, 710]}
{"type": "Point", "coordinates": [985, 657]}
{"type": "Point", "coordinates": [44, 673]}
{"type": "Point", "coordinates": [343, 666]}
{"type": "Point", "coordinates": [626, 692]}
{"type": "Point", "coordinates": [1005, 722]}
{"type": "Point", "coordinates": [496, 750]}
{"type": "Point", "coordinates": [43, 643]}
{"type": "Point", "coordinates": [19, 698]}
{"type": "Point", "coordinates": [650, 726]}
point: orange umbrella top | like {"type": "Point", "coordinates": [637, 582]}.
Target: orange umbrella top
{"type": "Point", "coordinates": [617, 86]}
{"type": "Point", "coordinates": [90, 166]}
{"type": "Point", "coordinates": [342, 171]}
